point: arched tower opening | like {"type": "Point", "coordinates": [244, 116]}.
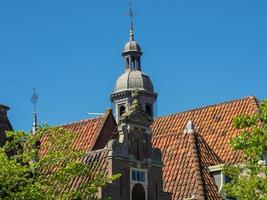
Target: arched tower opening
{"type": "Point", "coordinates": [138, 192]}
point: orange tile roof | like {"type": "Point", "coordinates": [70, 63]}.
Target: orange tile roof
{"type": "Point", "coordinates": [87, 132]}
{"type": "Point", "coordinates": [186, 159]}
{"type": "Point", "coordinates": [90, 131]}
{"type": "Point", "coordinates": [98, 163]}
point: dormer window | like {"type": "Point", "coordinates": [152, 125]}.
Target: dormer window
{"type": "Point", "coordinates": [219, 177]}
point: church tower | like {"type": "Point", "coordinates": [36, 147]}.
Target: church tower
{"type": "Point", "coordinates": [133, 78]}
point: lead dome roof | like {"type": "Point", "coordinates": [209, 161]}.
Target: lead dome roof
{"type": "Point", "coordinates": [132, 46]}
{"type": "Point", "coordinates": [134, 79]}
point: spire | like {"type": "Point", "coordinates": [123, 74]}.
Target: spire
{"type": "Point", "coordinates": [34, 100]}
{"type": "Point", "coordinates": [131, 21]}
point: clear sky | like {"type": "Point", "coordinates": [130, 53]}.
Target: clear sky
{"type": "Point", "coordinates": [197, 52]}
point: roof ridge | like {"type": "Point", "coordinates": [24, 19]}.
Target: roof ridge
{"type": "Point", "coordinates": [208, 106]}
{"type": "Point", "coordinates": [205, 145]}
{"type": "Point", "coordinates": [80, 121]}
{"type": "Point", "coordinates": [196, 164]}
{"type": "Point", "coordinates": [203, 165]}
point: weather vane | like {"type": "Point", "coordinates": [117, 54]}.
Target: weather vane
{"type": "Point", "coordinates": [34, 99]}
{"type": "Point", "coordinates": [131, 13]}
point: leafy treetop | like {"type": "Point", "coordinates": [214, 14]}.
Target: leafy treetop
{"type": "Point", "coordinates": [29, 170]}
{"type": "Point", "coordinates": [248, 180]}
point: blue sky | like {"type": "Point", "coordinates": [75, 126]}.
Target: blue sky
{"type": "Point", "coordinates": [196, 52]}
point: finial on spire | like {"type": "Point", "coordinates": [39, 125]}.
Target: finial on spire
{"type": "Point", "coordinates": [190, 127]}
{"type": "Point", "coordinates": [131, 14]}
{"type": "Point", "coordinates": [34, 100]}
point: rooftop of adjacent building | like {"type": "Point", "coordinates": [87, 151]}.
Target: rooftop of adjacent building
{"type": "Point", "coordinates": [186, 154]}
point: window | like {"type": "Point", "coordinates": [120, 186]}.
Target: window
{"type": "Point", "coordinates": [133, 63]}
{"type": "Point", "coordinates": [149, 109]}
{"type": "Point", "coordinates": [139, 176]}
{"type": "Point", "coordinates": [127, 62]}
{"type": "Point", "coordinates": [138, 184]}
{"type": "Point", "coordinates": [122, 110]}
{"type": "Point", "coordinates": [217, 175]}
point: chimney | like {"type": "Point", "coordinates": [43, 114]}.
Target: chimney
{"type": "Point", "coordinates": [4, 124]}
{"type": "Point", "coordinates": [3, 113]}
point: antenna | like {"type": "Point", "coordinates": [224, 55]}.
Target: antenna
{"type": "Point", "coordinates": [34, 100]}
{"type": "Point", "coordinates": [97, 114]}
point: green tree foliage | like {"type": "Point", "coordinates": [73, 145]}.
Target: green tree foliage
{"type": "Point", "coordinates": [248, 179]}
{"type": "Point", "coordinates": [32, 171]}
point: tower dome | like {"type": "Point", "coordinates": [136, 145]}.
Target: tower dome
{"type": "Point", "coordinates": [131, 46]}
{"type": "Point", "coordinates": [134, 79]}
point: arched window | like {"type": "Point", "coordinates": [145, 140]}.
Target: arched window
{"type": "Point", "coordinates": [122, 110]}
{"type": "Point", "coordinates": [133, 63]}
{"type": "Point", "coordinates": [128, 62]}
{"type": "Point", "coordinates": [138, 64]}
{"type": "Point", "coordinates": [149, 109]}
{"type": "Point", "coordinates": [138, 192]}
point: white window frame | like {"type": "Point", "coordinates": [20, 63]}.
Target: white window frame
{"type": "Point", "coordinates": [133, 182]}
{"type": "Point", "coordinates": [218, 168]}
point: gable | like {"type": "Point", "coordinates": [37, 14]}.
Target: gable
{"type": "Point", "coordinates": [185, 171]}
{"type": "Point", "coordinates": [91, 134]}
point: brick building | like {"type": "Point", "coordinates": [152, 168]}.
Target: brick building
{"type": "Point", "coordinates": [179, 156]}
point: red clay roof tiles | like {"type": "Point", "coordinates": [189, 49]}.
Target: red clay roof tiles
{"type": "Point", "coordinates": [98, 162]}
{"type": "Point", "coordinates": [187, 158]}
{"type": "Point", "coordinates": [87, 132]}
